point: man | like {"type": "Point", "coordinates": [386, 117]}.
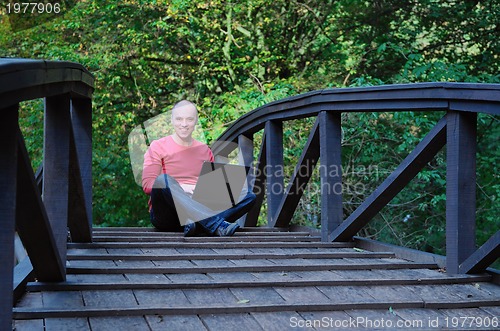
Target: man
{"type": "Point", "coordinates": [171, 168]}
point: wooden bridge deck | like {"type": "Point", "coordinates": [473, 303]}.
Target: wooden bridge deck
{"type": "Point", "coordinates": [259, 279]}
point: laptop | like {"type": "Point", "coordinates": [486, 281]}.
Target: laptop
{"type": "Point", "coordinates": [220, 184]}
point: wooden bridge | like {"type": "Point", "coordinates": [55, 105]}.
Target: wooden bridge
{"type": "Point", "coordinates": [278, 277]}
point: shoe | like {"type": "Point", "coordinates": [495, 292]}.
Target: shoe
{"type": "Point", "coordinates": [226, 229]}
{"type": "Point", "coordinates": [190, 230]}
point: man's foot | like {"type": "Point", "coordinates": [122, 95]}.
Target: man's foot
{"type": "Point", "coordinates": [226, 229]}
{"type": "Point", "coordinates": [190, 230]}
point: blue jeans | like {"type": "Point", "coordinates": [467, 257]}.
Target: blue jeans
{"type": "Point", "coordinates": [172, 207]}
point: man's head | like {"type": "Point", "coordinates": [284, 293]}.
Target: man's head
{"type": "Point", "coordinates": [184, 119]}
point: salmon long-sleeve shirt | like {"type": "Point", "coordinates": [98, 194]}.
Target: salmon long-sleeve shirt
{"type": "Point", "coordinates": [183, 163]}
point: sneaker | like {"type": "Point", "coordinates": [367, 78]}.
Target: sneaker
{"type": "Point", "coordinates": [190, 230]}
{"type": "Point", "coordinates": [226, 229]}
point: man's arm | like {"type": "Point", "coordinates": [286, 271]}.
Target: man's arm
{"type": "Point", "coordinates": [151, 169]}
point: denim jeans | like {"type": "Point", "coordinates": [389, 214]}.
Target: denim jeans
{"type": "Point", "coordinates": [172, 208]}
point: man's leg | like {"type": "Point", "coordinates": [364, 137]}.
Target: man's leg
{"type": "Point", "coordinates": [163, 213]}
{"type": "Point", "coordinates": [246, 201]}
{"type": "Point", "coordinates": [173, 208]}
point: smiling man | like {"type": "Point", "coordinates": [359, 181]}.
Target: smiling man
{"type": "Point", "coordinates": [171, 169]}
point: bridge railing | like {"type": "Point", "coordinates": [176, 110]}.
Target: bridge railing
{"type": "Point", "coordinates": [460, 104]}
{"type": "Point", "coordinates": [42, 217]}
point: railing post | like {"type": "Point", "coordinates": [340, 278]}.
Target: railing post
{"type": "Point", "coordinates": [8, 177]}
{"type": "Point", "coordinates": [80, 190]}
{"type": "Point", "coordinates": [258, 183]}
{"type": "Point", "coordinates": [330, 137]}
{"type": "Point", "coordinates": [56, 167]}
{"type": "Point", "coordinates": [274, 168]}
{"type": "Point", "coordinates": [460, 188]}
{"type": "Point", "coordinates": [245, 155]}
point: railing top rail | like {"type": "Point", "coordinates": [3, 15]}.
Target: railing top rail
{"type": "Point", "coordinates": [25, 79]}
{"type": "Point", "coordinates": [402, 97]}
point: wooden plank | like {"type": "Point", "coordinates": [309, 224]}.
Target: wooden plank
{"type": "Point", "coordinates": [302, 295]}
{"type": "Point", "coordinates": [230, 255]}
{"type": "Point", "coordinates": [397, 180]}
{"type": "Point", "coordinates": [178, 236]}
{"type": "Point", "coordinates": [299, 179]}
{"type": "Point", "coordinates": [129, 323]}
{"type": "Point", "coordinates": [279, 320]}
{"type": "Point", "coordinates": [56, 167]}
{"type": "Point", "coordinates": [234, 244]}
{"type": "Point", "coordinates": [174, 297]}
{"type": "Point", "coordinates": [246, 280]}
{"type": "Point", "coordinates": [62, 300]}
{"type": "Point", "coordinates": [460, 188]}
{"type": "Point", "coordinates": [330, 141]}
{"type": "Point", "coordinates": [23, 313]}
{"type": "Point", "coordinates": [78, 323]}
{"type": "Point", "coordinates": [8, 178]}
{"type": "Point", "coordinates": [483, 257]}
{"type": "Point", "coordinates": [30, 300]}
{"type": "Point", "coordinates": [208, 239]}
{"type": "Point", "coordinates": [182, 322]}
{"type": "Point", "coordinates": [28, 325]}
{"type": "Point", "coordinates": [257, 295]}
{"type": "Point", "coordinates": [248, 267]}
{"type": "Point", "coordinates": [401, 252]}
{"type": "Point", "coordinates": [144, 279]}
{"type": "Point", "coordinates": [110, 299]}
{"type": "Point", "coordinates": [216, 297]}
{"type": "Point", "coordinates": [80, 180]}
{"type": "Point", "coordinates": [33, 225]}
{"type": "Point", "coordinates": [230, 322]}
{"type": "Point", "coordinates": [274, 169]}
{"type": "Point", "coordinates": [258, 189]}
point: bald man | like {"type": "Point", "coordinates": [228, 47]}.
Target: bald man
{"type": "Point", "coordinates": [171, 168]}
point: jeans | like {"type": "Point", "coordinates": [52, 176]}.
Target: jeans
{"type": "Point", "coordinates": [172, 208]}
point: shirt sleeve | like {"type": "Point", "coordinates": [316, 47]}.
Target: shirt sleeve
{"type": "Point", "coordinates": [152, 168]}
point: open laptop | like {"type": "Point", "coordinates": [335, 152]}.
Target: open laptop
{"type": "Point", "coordinates": [220, 184]}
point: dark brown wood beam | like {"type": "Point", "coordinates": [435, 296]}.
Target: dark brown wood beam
{"type": "Point", "coordinates": [258, 185]}
{"type": "Point", "coordinates": [80, 176]}
{"type": "Point", "coordinates": [56, 167]}
{"type": "Point", "coordinates": [483, 257]}
{"type": "Point", "coordinates": [32, 223]}
{"type": "Point", "coordinates": [330, 140]}
{"type": "Point", "coordinates": [8, 179]}
{"type": "Point", "coordinates": [460, 188]}
{"type": "Point", "coordinates": [274, 169]}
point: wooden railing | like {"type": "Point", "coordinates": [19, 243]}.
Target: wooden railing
{"type": "Point", "coordinates": [42, 217]}
{"type": "Point", "coordinates": [460, 104]}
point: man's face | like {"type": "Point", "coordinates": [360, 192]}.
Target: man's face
{"type": "Point", "coordinates": [184, 119]}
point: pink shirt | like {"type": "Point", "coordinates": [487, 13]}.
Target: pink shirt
{"type": "Point", "coordinates": [183, 163]}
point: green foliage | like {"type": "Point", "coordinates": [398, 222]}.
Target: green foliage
{"type": "Point", "coordinates": [233, 56]}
